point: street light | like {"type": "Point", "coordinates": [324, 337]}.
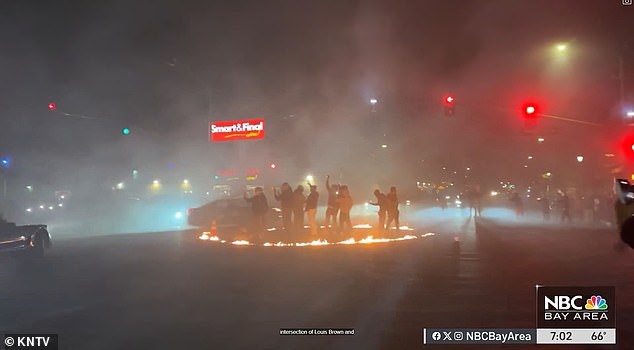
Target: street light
{"type": "Point", "coordinates": [373, 102]}
{"type": "Point", "coordinates": [579, 159]}
{"type": "Point", "coordinates": [540, 139]}
{"type": "Point", "coordinates": [560, 51]}
{"type": "Point", "coordinates": [630, 114]}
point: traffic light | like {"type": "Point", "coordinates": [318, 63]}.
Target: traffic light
{"type": "Point", "coordinates": [449, 106]}
{"type": "Point", "coordinates": [627, 147]}
{"type": "Point", "coordinates": [125, 131]}
{"type": "Point", "coordinates": [529, 112]}
{"type": "Point", "coordinates": [52, 106]}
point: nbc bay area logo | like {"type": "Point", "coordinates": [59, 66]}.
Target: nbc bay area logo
{"type": "Point", "coordinates": [596, 303]}
{"type": "Point", "coordinates": [570, 307]}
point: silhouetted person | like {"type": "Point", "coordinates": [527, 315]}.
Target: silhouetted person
{"type": "Point", "coordinates": [5, 226]}
{"type": "Point", "coordinates": [285, 196]}
{"type": "Point", "coordinates": [518, 205]}
{"type": "Point", "coordinates": [381, 202]}
{"type": "Point", "coordinates": [311, 209]}
{"type": "Point", "coordinates": [625, 221]}
{"type": "Point", "coordinates": [545, 201]}
{"type": "Point", "coordinates": [3, 223]}
{"type": "Point", "coordinates": [440, 197]}
{"type": "Point", "coordinates": [565, 205]}
{"type": "Point", "coordinates": [476, 199]}
{"type": "Point", "coordinates": [259, 207]}
{"type": "Point", "coordinates": [298, 208]}
{"type": "Point", "coordinates": [345, 205]}
{"type": "Point", "coordinates": [467, 199]}
{"type": "Point", "coordinates": [333, 206]}
{"type": "Point", "coordinates": [392, 209]}
{"type": "Point", "coordinates": [596, 209]}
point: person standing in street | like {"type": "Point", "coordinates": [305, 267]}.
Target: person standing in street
{"type": "Point", "coordinates": [476, 196]}
{"type": "Point", "coordinates": [545, 207]}
{"type": "Point", "coordinates": [259, 207]}
{"type": "Point", "coordinates": [381, 202]}
{"type": "Point", "coordinates": [517, 204]}
{"type": "Point", "coordinates": [467, 199]}
{"type": "Point", "coordinates": [332, 209]}
{"type": "Point", "coordinates": [393, 214]}
{"type": "Point", "coordinates": [285, 196]}
{"type": "Point", "coordinates": [565, 206]}
{"type": "Point", "coordinates": [596, 207]}
{"type": "Point", "coordinates": [311, 209]}
{"type": "Point", "coordinates": [345, 205]}
{"type": "Point", "coordinates": [298, 208]}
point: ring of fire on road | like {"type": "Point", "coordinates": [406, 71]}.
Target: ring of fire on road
{"type": "Point", "coordinates": [207, 236]}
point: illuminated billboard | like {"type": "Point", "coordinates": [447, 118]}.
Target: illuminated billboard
{"type": "Point", "coordinates": [234, 130]}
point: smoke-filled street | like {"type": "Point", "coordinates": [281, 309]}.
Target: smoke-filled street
{"type": "Point", "coordinates": [316, 174]}
{"type": "Point", "coordinates": [172, 290]}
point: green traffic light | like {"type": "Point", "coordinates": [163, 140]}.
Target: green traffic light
{"type": "Point", "coordinates": [125, 131]}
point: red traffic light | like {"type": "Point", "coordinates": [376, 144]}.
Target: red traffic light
{"type": "Point", "coordinates": [628, 146]}
{"type": "Point", "coordinates": [449, 106]}
{"type": "Point", "coordinates": [51, 106]}
{"type": "Point", "coordinates": [530, 110]}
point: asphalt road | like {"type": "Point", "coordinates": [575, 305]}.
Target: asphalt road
{"type": "Point", "coordinates": [173, 291]}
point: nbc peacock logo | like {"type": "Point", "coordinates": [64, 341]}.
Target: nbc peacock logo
{"type": "Point", "coordinates": [596, 302]}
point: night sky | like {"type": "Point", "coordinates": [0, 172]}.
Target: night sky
{"type": "Point", "coordinates": [167, 68]}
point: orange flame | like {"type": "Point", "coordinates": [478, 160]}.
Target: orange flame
{"type": "Point", "coordinates": [205, 236]}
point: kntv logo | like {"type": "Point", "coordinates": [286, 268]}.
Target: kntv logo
{"type": "Point", "coordinates": [30, 341]}
{"type": "Point", "coordinates": [575, 305]}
